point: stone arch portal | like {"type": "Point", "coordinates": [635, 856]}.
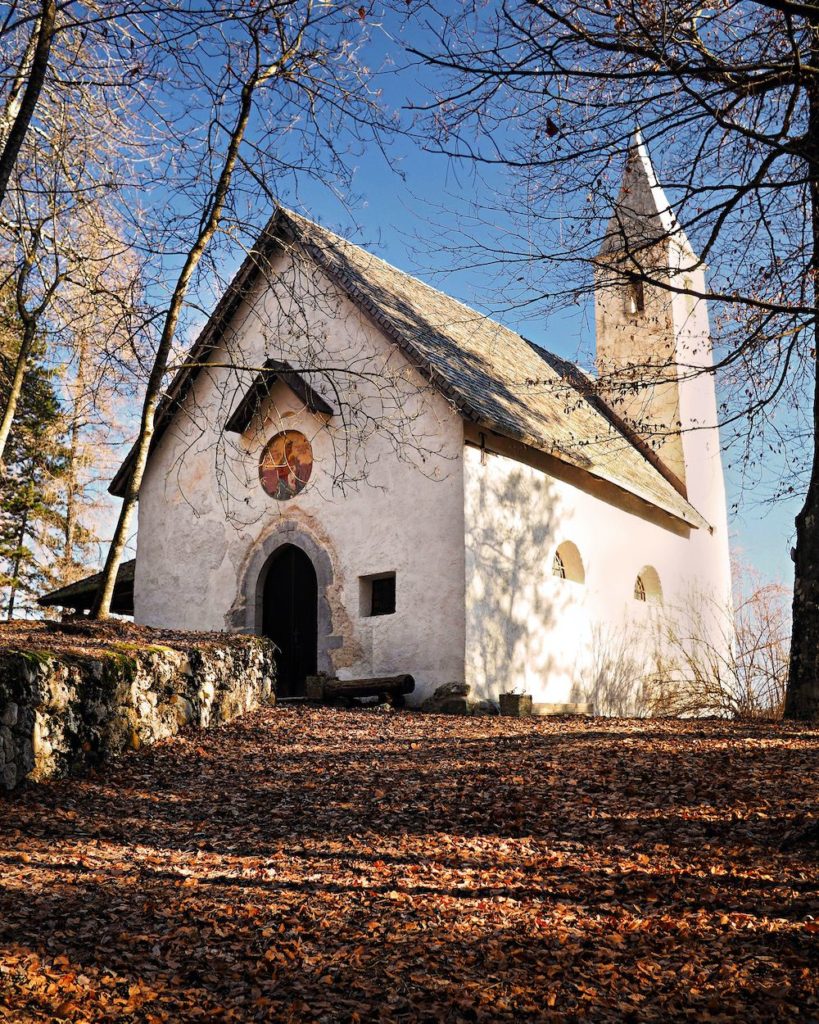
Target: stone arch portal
{"type": "Point", "coordinates": [284, 596]}
{"type": "Point", "coordinates": [290, 617]}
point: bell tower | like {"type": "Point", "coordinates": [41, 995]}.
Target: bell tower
{"type": "Point", "coordinates": [654, 357]}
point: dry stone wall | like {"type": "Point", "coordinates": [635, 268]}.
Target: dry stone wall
{"type": "Point", "coordinates": [61, 712]}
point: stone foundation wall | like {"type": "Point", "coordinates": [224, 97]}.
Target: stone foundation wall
{"type": "Point", "coordinates": [62, 712]}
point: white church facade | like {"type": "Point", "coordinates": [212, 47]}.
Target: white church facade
{"type": "Point", "coordinates": [384, 481]}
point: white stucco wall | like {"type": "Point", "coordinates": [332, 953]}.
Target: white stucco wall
{"type": "Point", "coordinates": [378, 499]}
{"type": "Point", "coordinates": [561, 641]}
{"type": "Point", "coordinates": [470, 538]}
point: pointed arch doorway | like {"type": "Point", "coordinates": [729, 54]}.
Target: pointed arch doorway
{"type": "Point", "coordinates": [290, 617]}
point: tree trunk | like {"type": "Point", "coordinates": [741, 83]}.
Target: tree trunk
{"type": "Point", "coordinates": [77, 393]}
{"type": "Point", "coordinates": [36, 76]}
{"type": "Point", "coordinates": [70, 524]}
{"type": "Point", "coordinates": [16, 389]}
{"type": "Point", "coordinates": [802, 695]}
{"type": "Point", "coordinates": [16, 567]}
{"type": "Point", "coordinates": [102, 604]}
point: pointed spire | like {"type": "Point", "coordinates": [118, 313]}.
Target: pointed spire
{"type": "Point", "coordinates": [642, 215]}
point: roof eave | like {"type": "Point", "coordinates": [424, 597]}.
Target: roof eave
{"type": "Point", "coordinates": [80, 594]}
{"type": "Point", "coordinates": [692, 519]}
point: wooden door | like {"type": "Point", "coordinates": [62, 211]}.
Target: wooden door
{"type": "Point", "coordinates": [290, 618]}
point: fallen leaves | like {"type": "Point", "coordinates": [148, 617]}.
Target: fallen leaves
{"type": "Point", "coordinates": [312, 865]}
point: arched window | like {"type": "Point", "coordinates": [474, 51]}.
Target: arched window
{"type": "Point", "coordinates": [567, 563]}
{"type": "Point", "coordinates": [635, 295]}
{"type": "Point", "coordinates": [647, 586]}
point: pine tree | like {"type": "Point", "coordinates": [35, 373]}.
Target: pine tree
{"type": "Point", "coordinates": [31, 505]}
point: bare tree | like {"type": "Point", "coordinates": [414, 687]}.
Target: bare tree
{"type": "Point", "coordinates": [61, 247]}
{"type": "Point", "coordinates": [728, 99]}
{"type": "Point", "coordinates": [26, 83]}
{"type": "Point", "coordinates": [99, 378]}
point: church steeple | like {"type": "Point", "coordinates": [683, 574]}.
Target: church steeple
{"type": "Point", "coordinates": [653, 337]}
{"type": "Point", "coordinates": [642, 216]}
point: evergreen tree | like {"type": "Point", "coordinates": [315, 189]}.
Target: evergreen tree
{"type": "Point", "coordinates": [31, 504]}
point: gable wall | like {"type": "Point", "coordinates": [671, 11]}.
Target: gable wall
{"type": "Point", "coordinates": [563, 641]}
{"type": "Point", "coordinates": [203, 516]}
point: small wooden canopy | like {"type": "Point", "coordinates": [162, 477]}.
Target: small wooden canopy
{"type": "Point", "coordinates": [273, 369]}
{"type": "Point", "coordinates": [81, 594]}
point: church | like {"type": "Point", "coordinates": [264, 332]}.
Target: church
{"type": "Point", "coordinates": [385, 481]}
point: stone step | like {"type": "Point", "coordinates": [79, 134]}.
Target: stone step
{"type": "Point", "coordinates": [563, 709]}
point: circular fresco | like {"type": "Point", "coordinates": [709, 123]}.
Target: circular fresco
{"type": "Point", "coordinates": [286, 464]}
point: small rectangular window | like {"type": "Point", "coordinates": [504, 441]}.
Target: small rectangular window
{"type": "Point", "coordinates": [635, 296]}
{"type": "Point", "coordinates": [377, 594]}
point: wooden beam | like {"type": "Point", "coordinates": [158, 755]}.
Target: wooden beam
{"type": "Point", "coordinates": [329, 688]}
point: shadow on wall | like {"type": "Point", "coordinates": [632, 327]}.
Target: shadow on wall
{"type": "Point", "coordinates": [537, 620]}
{"type": "Point", "coordinates": [621, 661]}
{"type": "Point", "coordinates": [514, 603]}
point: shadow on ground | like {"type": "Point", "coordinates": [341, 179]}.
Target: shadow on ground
{"type": "Point", "coordinates": [349, 866]}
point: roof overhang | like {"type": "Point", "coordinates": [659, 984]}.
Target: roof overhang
{"type": "Point", "coordinates": [273, 370]}
{"type": "Point", "coordinates": [81, 594]}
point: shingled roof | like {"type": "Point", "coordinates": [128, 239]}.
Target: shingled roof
{"type": "Point", "coordinates": [495, 377]}
{"type": "Point", "coordinates": [81, 594]}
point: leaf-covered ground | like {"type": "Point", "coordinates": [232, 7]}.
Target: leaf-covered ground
{"type": "Point", "coordinates": [84, 637]}
{"type": "Point", "coordinates": [319, 865]}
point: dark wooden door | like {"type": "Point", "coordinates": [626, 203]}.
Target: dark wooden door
{"type": "Point", "coordinates": [290, 618]}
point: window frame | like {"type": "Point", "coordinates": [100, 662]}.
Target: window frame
{"type": "Point", "coordinates": [369, 599]}
{"type": "Point", "coordinates": [635, 295]}
{"type": "Point", "coordinates": [567, 553]}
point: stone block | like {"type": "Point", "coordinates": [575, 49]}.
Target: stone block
{"type": "Point", "coordinates": [452, 690]}
{"type": "Point", "coordinates": [183, 709]}
{"type": "Point", "coordinates": [484, 707]}
{"type": "Point", "coordinates": [314, 686]}
{"type": "Point", "coordinates": [8, 716]}
{"type": "Point", "coordinates": [516, 705]}
{"type": "Point", "coordinates": [37, 737]}
{"type": "Point", "coordinates": [7, 742]}
{"type": "Point", "coordinates": [563, 709]}
{"type": "Point", "coordinates": [26, 755]}
{"type": "Point", "coordinates": [446, 705]}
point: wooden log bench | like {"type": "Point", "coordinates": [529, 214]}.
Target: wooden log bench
{"type": "Point", "coordinates": [328, 688]}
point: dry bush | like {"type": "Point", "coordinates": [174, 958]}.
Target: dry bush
{"type": "Point", "coordinates": [718, 660]}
